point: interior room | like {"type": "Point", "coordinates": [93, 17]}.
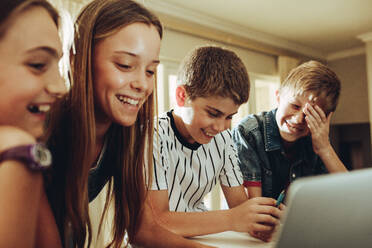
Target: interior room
{"type": "Point", "coordinates": [271, 38]}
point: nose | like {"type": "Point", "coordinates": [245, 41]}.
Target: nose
{"type": "Point", "coordinates": [299, 117]}
{"type": "Point", "coordinates": [221, 125]}
{"type": "Point", "coordinates": [141, 82]}
{"type": "Point", "coordinates": [55, 86]}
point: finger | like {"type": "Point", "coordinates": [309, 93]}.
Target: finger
{"type": "Point", "coordinates": [282, 207]}
{"type": "Point", "coordinates": [321, 113]}
{"type": "Point", "coordinates": [311, 112]}
{"type": "Point", "coordinates": [265, 201]}
{"type": "Point", "coordinates": [269, 210]}
{"type": "Point", "coordinates": [267, 219]}
{"type": "Point", "coordinates": [311, 123]}
{"type": "Point", "coordinates": [257, 227]}
{"type": "Point", "coordinates": [329, 117]}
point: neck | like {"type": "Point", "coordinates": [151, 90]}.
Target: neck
{"type": "Point", "coordinates": [101, 130]}
{"type": "Point", "coordinates": [181, 127]}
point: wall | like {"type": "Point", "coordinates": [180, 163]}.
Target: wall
{"type": "Point", "coordinates": [353, 103]}
{"type": "Point", "coordinates": [350, 133]}
{"type": "Point", "coordinates": [176, 45]}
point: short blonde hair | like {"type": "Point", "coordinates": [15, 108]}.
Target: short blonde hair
{"type": "Point", "coordinates": [316, 78]}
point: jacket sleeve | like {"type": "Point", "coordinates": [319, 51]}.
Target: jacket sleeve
{"type": "Point", "coordinates": [246, 147]}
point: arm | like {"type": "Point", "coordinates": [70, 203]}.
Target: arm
{"type": "Point", "coordinates": [248, 159]}
{"type": "Point", "coordinates": [245, 217]}
{"type": "Point", "coordinates": [318, 124]}
{"type": "Point", "coordinates": [47, 234]}
{"type": "Point", "coordinates": [20, 190]}
{"type": "Point", "coordinates": [149, 233]}
{"type": "Point", "coordinates": [234, 195]}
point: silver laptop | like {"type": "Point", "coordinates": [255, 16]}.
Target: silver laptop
{"type": "Point", "coordinates": [329, 211]}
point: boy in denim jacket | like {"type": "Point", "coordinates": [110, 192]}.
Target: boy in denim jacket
{"type": "Point", "coordinates": [278, 146]}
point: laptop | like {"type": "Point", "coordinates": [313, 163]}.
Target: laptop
{"type": "Point", "coordinates": [328, 211]}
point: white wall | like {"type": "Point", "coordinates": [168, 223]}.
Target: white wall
{"type": "Point", "coordinates": [176, 45]}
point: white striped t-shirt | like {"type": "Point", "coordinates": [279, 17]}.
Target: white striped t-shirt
{"type": "Point", "coordinates": [190, 171]}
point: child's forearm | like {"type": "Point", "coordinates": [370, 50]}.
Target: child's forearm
{"type": "Point", "coordinates": [331, 160]}
{"type": "Point", "coordinates": [254, 191]}
{"type": "Point", "coordinates": [196, 223]}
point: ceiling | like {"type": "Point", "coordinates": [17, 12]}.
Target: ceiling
{"type": "Point", "coordinates": [321, 28]}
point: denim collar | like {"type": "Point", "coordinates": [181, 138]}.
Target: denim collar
{"type": "Point", "coordinates": [271, 132]}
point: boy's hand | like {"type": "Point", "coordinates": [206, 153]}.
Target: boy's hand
{"type": "Point", "coordinates": [258, 216]}
{"type": "Point", "coordinates": [318, 124]}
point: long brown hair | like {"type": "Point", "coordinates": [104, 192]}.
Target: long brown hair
{"type": "Point", "coordinates": [72, 132]}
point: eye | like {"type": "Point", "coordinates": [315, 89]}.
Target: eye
{"type": "Point", "coordinates": [214, 115]}
{"type": "Point", "coordinates": [39, 67]}
{"type": "Point", "coordinates": [124, 66]}
{"type": "Point", "coordinates": [229, 117]}
{"type": "Point", "coordinates": [295, 106]}
{"type": "Point", "coordinates": [150, 73]}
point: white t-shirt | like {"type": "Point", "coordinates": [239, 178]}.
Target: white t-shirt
{"type": "Point", "coordinates": [190, 171]}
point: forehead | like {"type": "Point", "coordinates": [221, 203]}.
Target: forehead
{"type": "Point", "coordinates": [222, 104]}
{"type": "Point", "coordinates": [32, 28]}
{"type": "Point", "coordinates": [305, 97]}
{"type": "Point", "coordinates": [137, 38]}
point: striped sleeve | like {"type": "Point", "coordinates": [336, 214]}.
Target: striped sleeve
{"type": "Point", "coordinates": [230, 174]}
{"type": "Point", "coordinates": [160, 161]}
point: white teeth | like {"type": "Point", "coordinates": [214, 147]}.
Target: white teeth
{"type": "Point", "coordinates": [128, 100]}
{"type": "Point", "coordinates": [44, 108]}
{"type": "Point", "coordinates": [209, 134]}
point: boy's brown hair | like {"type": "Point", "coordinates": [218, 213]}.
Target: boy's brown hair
{"type": "Point", "coordinates": [316, 78]}
{"type": "Point", "coordinates": [214, 71]}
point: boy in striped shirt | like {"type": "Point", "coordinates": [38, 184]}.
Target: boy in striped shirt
{"type": "Point", "coordinates": [193, 150]}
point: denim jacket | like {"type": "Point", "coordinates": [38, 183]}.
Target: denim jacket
{"type": "Point", "coordinates": [260, 153]}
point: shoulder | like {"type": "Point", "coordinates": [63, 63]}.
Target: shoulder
{"type": "Point", "coordinates": [248, 124]}
{"type": "Point", "coordinates": [12, 136]}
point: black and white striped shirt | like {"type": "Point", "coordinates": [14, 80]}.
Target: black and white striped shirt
{"type": "Point", "coordinates": [190, 171]}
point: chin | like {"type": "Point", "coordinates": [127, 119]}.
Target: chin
{"type": "Point", "coordinates": [126, 122]}
{"type": "Point", "coordinates": [37, 132]}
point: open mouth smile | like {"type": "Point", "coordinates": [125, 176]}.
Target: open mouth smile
{"type": "Point", "coordinates": [128, 100]}
{"type": "Point", "coordinates": [39, 108]}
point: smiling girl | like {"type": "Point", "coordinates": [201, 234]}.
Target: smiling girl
{"type": "Point", "coordinates": [30, 49]}
{"type": "Point", "coordinates": [100, 129]}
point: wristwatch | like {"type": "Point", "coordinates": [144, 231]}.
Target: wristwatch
{"type": "Point", "coordinates": [35, 156]}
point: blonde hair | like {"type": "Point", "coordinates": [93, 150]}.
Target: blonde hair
{"type": "Point", "coordinates": [73, 131]}
{"type": "Point", "coordinates": [315, 78]}
{"type": "Point", "coordinates": [214, 71]}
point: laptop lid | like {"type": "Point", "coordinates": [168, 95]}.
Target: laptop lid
{"type": "Point", "coordinates": [329, 211]}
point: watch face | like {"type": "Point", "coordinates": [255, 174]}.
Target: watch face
{"type": "Point", "coordinates": [41, 155]}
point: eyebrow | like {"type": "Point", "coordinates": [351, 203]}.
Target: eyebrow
{"type": "Point", "coordinates": [135, 55]}
{"type": "Point", "coordinates": [46, 49]}
{"type": "Point", "coordinates": [219, 111]}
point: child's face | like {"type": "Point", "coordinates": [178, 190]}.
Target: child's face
{"type": "Point", "coordinates": [29, 74]}
{"type": "Point", "coordinates": [290, 115]}
{"type": "Point", "coordinates": [124, 66]}
{"type": "Point", "coordinates": [204, 117]}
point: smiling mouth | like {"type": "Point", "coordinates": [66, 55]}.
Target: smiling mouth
{"type": "Point", "coordinates": [208, 134]}
{"type": "Point", "coordinates": [38, 108]}
{"type": "Point", "coordinates": [297, 129]}
{"type": "Point", "coordinates": [127, 100]}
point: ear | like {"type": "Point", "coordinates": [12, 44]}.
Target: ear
{"type": "Point", "coordinates": [277, 96]}
{"type": "Point", "coordinates": [181, 95]}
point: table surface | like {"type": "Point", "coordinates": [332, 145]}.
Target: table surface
{"type": "Point", "coordinates": [232, 239]}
